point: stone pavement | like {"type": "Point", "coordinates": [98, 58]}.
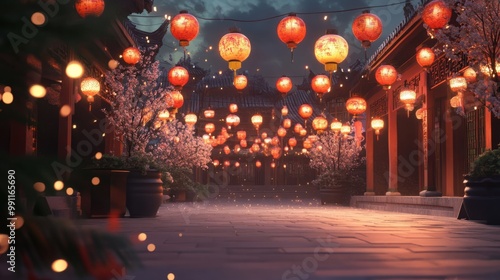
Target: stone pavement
{"type": "Point", "coordinates": [303, 240]}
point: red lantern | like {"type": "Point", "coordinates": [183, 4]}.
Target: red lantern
{"type": "Point", "coordinates": [241, 135]}
{"type": "Point", "coordinates": [386, 75]}
{"type": "Point", "coordinates": [86, 8]}
{"type": "Point", "coordinates": [243, 143]}
{"type": "Point", "coordinates": [284, 85]}
{"type": "Point", "coordinates": [320, 124]}
{"type": "Point", "coordinates": [330, 50]}
{"type": "Point", "coordinates": [297, 128]}
{"type": "Point", "coordinates": [232, 120]}
{"type": "Point", "coordinates": [233, 108]}
{"type": "Point", "coordinates": [305, 111]}
{"type": "Point", "coordinates": [321, 85]}
{"type": "Point", "coordinates": [234, 48]}
{"type": "Point", "coordinates": [258, 164]}
{"type": "Point", "coordinates": [367, 28]}
{"type": "Point", "coordinates": [284, 110]}
{"type": "Point", "coordinates": [178, 76]}
{"type": "Point", "coordinates": [287, 123]}
{"type": "Point", "coordinates": [307, 144]}
{"type": "Point", "coordinates": [291, 31]}
{"type": "Point", "coordinates": [184, 27]}
{"type": "Point", "coordinates": [256, 120]}
{"type": "Point", "coordinates": [436, 14]}
{"type": "Point", "coordinates": [425, 57]}
{"type": "Point", "coordinates": [281, 132]}
{"type": "Point", "coordinates": [470, 75]}
{"type": "Point", "coordinates": [240, 82]}
{"type": "Point", "coordinates": [209, 113]}
{"type": "Point", "coordinates": [292, 142]}
{"type": "Point", "coordinates": [355, 105]}
{"type": "Point", "coordinates": [175, 99]}
{"type": "Point", "coordinates": [131, 55]}
{"type": "Point", "coordinates": [209, 128]}
{"type": "Point", "coordinates": [227, 150]}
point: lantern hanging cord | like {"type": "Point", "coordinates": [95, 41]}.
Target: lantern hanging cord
{"type": "Point", "coordinates": [285, 14]}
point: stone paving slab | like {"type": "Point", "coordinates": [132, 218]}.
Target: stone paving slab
{"type": "Point", "coordinates": [234, 241]}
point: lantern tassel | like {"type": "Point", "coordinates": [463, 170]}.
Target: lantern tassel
{"type": "Point", "coordinates": [291, 53]}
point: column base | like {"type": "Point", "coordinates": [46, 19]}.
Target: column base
{"type": "Point", "coordinates": [369, 193]}
{"type": "Point", "coordinates": [391, 193]}
{"type": "Point", "coordinates": [430, 193]}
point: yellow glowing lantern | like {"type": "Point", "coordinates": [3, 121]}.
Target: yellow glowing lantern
{"type": "Point", "coordinates": [184, 27]}
{"type": "Point", "coordinates": [164, 115]}
{"type": "Point", "coordinates": [345, 129]}
{"type": "Point", "coordinates": [190, 119]}
{"type": "Point", "coordinates": [303, 132]}
{"type": "Point", "coordinates": [232, 120]}
{"type": "Point", "coordinates": [216, 162]}
{"type": "Point", "coordinates": [458, 84]}
{"type": "Point", "coordinates": [336, 125]}
{"type": "Point", "coordinates": [257, 121]}
{"type": "Point", "coordinates": [209, 113]}
{"type": "Point", "coordinates": [320, 124]}
{"type": "Point", "coordinates": [377, 124]}
{"type": "Point", "coordinates": [90, 86]}
{"type": "Point", "coordinates": [456, 101]}
{"type": "Point", "coordinates": [408, 97]}
{"type": "Point", "coordinates": [330, 50]}
{"type": "Point", "coordinates": [234, 48]}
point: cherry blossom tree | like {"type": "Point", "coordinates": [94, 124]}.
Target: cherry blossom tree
{"type": "Point", "coordinates": [136, 103]}
{"type": "Point", "coordinates": [476, 34]}
{"type": "Point", "coordinates": [180, 147]}
{"type": "Point", "coordinates": [335, 154]}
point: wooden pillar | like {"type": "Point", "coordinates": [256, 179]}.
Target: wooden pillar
{"type": "Point", "coordinates": [392, 126]}
{"type": "Point", "coordinates": [370, 190]}
{"type": "Point", "coordinates": [429, 144]}
{"type": "Point", "coordinates": [450, 157]}
{"type": "Point", "coordinates": [488, 139]}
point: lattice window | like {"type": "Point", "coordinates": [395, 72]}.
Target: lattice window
{"type": "Point", "coordinates": [444, 68]}
{"type": "Point", "coordinates": [379, 107]}
{"type": "Point", "coordinates": [475, 134]}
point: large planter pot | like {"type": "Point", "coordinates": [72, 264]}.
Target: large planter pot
{"type": "Point", "coordinates": [482, 199]}
{"type": "Point", "coordinates": [144, 194]}
{"type": "Point", "coordinates": [339, 196]}
{"type": "Point", "coordinates": [103, 192]}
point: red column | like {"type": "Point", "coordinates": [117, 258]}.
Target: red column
{"type": "Point", "coordinates": [393, 147]}
{"type": "Point", "coordinates": [370, 190]}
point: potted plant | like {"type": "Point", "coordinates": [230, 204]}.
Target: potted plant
{"type": "Point", "coordinates": [102, 186]}
{"type": "Point", "coordinates": [336, 157]}
{"type": "Point", "coordinates": [482, 188]}
{"type": "Point", "coordinates": [181, 188]}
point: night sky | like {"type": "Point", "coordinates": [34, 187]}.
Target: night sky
{"type": "Point", "coordinates": [269, 56]}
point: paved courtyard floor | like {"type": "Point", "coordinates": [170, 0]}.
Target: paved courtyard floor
{"type": "Point", "coordinates": [296, 241]}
